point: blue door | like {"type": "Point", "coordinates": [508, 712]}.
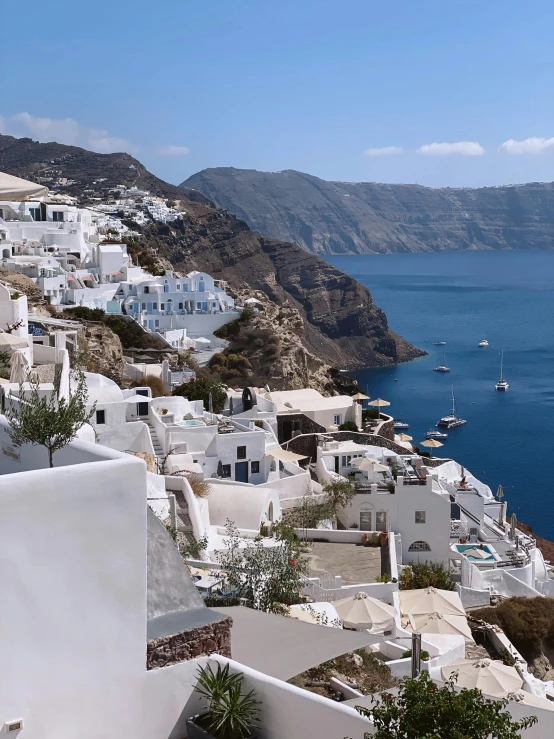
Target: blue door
{"type": "Point", "coordinates": [241, 471]}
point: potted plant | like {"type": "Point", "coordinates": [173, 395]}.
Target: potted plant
{"type": "Point", "coordinates": [230, 713]}
{"type": "Point", "coordinates": [163, 411]}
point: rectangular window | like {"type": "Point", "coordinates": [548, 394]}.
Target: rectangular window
{"type": "Point", "coordinates": [226, 470]}
{"type": "Point", "coordinates": [381, 521]}
{"type": "Point", "coordinates": [143, 306]}
{"type": "Point", "coordinates": [154, 306]}
{"type": "Point", "coordinates": [420, 516]}
{"type": "Point", "coordinates": [146, 289]}
{"type": "Point", "coordinates": [241, 452]}
{"type": "Point", "coordinates": [162, 306]}
{"type": "Point", "coordinates": [180, 306]}
{"type": "Point", "coordinates": [346, 460]}
{"type": "Point", "coordinates": [156, 323]}
{"type": "Point", "coordinates": [100, 418]}
{"type": "Point", "coordinates": [178, 286]}
{"type": "Point", "coordinates": [336, 420]}
{"type": "Point", "coordinates": [34, 213]}
{"type": "Point", "coordinates": [198, 306]}
{"type": "Point", "coordinates": [254, 468]}
{"type": "Point", "coordinates": [365, 520]}
{"type": "Point", "coordinates": [57, 215]}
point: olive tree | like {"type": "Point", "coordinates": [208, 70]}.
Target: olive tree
{"type": "Point", "coordinates": [46, 421]}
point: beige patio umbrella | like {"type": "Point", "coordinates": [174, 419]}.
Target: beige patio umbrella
{"type": "Point", "coordinates": [379, 403]}
{"type": "Point", "coordinates": [488, 675]}
{"type": "Point", "coordinates": [360, 396]}
{"type": "Point", "coordinates": [303, 614]}
{"type": "Point", "coordinates": [19, 368]}
{"type": "Point", "coordinates": [431, 600]}
{"type": "Point", "coordinates": [370, 465]}
{"type": "Point", "coordinates": [431, 444]}
{"type": "Point", "coordinates": [528, 699]}
{"type": "Point", "coordinates": [440, 623]}
{"type": "Point", "coordinates": [405, 437]}
{"type": "Point", "coordinates": [363, 612]}
{"type": "Point", "coordinates": [11, 341]}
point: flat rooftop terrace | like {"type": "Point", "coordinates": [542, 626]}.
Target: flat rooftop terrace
{"type": "Point", "coordinates": [355, 564]}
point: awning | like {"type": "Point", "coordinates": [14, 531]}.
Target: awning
{"type": "Point", "coordinates": [284, 647]}
{"type": "Point", "coordinates": [285, 456]}
{"type": "Point", "coordinates": [15, 188]}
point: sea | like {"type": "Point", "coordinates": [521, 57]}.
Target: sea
{"type": "Point", "coordinates": [461, 298]}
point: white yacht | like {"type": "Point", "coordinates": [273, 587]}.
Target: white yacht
{"type": "Point", "coordinates": [451, 421]}
{"type": "Point", "coordinates": [399, 424]}
{"type": "Point", "coordinates": [502, 384]}
{"type": "Point", "coordinates": [440, 343]}
{"type": "Point", "coordinates": [442, 367]}
{"type": "Point", "coordinates": [436, 434]}
{"type": "Point", "coordinates": [483, 343]}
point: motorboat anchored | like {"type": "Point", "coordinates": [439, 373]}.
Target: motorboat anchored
{"type": "Point", "coordinates": [440, 343]}
{"type": "Point", "coordinates": [502, 384]}
{"type": "Point", "coordinates": [436, 434]}
{"type": "Point", "coordinates": [399, 424]}
{"type": "Point", "coordinates": [451, 421]}
{"type": "Point", "coordinates": [483, 343]}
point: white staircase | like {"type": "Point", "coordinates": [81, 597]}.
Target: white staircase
{"type": "Point", "coordinates": [158, 451]}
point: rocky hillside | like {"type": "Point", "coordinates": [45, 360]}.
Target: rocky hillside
{"type": "Point", "coordinates": [337, 321]}
{"type": "Point", "coordinates": [366, 218]}
{"type": "Point", "coordinates": [340, 322]}
{"type": "Point", "coordinates": [47, 162]}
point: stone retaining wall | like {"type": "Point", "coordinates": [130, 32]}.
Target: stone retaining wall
{"type": "Point", "coordinates": [202, 641]}
{"type": "Point", "coordinates": [307, 444]}
{"type": "Point", "coordinates": [296, 420]}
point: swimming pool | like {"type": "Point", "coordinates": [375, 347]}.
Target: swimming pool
{"type": "Point", "coordinates": [189, 422]}
{"type": "Point", "coordinates": [484, 548]}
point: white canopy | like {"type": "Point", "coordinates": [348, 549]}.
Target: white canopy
{"type": "Point", "coordinates": [285, 456]}
{"type": "Point", "coordinates": [431, 600]}
{"type": "Point", "coordinates": [489, 676]}
{"type": "Point", "coordinates": [370, 465]}
{"type": "Point", "coordinates": [14, 188]}
{"type": "Point", "coordinates": [363, 612]}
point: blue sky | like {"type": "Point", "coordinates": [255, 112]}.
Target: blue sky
{"type": "Point", "coordinates": [438, 92]}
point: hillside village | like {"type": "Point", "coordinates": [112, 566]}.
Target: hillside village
{"type": "Point", "coordinates": [125, 564]}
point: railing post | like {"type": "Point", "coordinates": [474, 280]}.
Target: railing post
{"type": "Point", "coordinates": [173, 510]}
{"type": "Point", "coordinates": [416, 654]}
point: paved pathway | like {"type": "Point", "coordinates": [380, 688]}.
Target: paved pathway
{"type": "Point", "coordinates": [355, 564]}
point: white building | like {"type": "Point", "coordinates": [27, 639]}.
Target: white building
{"type": "Point", "coordinates": [194, 303]}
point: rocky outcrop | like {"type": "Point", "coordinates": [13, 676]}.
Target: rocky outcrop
{"type": "Point", "coordinates": [102, 351]}
{"type": "Point", "coordinates": [373, 218]}
{"type": "Point", "coordinates": [25, 286]}
{"type": "Point", "coordinates": [340, 323]}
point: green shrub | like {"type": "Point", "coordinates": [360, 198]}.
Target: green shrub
{"type": "Point", "coordinates": [86, 314]}
{"type": "Point", "coordinates": [348, 426]}
{"type": "Point", "coordinates": [200, 389]}
{"type": "Point", "coordinates": [425, 575]}
{"type": "Point", "coordinates": [527, 622]}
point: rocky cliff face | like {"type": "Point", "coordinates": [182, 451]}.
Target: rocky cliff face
{"type": "Point", "coordinates": [370, 218]}
{"type": "Point", "coordinates": [341, 323]}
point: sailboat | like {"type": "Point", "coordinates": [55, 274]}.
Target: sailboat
{"type": "Point", "coordinates": [451, 421]}
{"type": "Point", "coordinates": [442, 367]}
{"type": "Point", "coordinates": [501, 384]}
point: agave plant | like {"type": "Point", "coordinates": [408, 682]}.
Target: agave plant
{"type": "Point", "coordinates": [230, 714]}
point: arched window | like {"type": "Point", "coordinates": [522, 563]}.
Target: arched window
{"type": "Point", "coordinates": [419, 546]}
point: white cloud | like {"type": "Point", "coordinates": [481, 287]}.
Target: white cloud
{"type": "Point", "coordinates": [64, 131]}
{"type": "Point", "coordinates": [383, 151]}
{"type": "Point", "coordinates": [464, 148]}
{"type": "Point", "coordinates": [533, 145]}
{"type": "Point", "coordinates": [172, 151]}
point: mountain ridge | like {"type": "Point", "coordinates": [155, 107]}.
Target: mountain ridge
{"type": "Point", "coordinates": [328, 217]}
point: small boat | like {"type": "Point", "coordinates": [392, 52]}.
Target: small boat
{"type": "Point", "coordinates": [483, 343]}
{"type": "Point", "coordinates": [436, 434]}
{"type": "Point", "coordinates": [502, 384]}
{"type": "Point", "coordinates": [442, 367]}
{"type": "Point", "coordinates": [440, 343]}
{"type": "Point", "coordinates": [401, 424]}
{"type": "Point", "coordinates": [451, 421]}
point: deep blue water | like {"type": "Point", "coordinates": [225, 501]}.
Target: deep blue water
{"type": "Point", "coordinates": [461, 298]}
